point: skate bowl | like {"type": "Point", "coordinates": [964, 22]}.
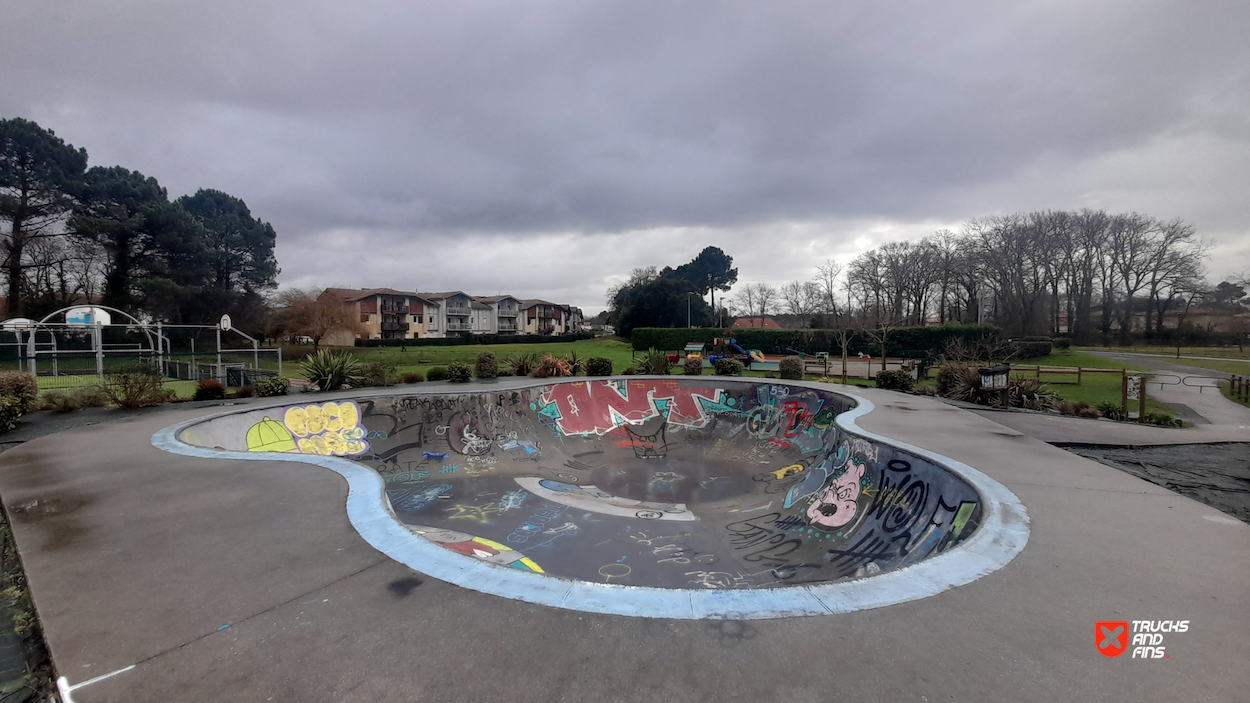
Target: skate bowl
{"type": "Point", "coordinates": [642, 496]}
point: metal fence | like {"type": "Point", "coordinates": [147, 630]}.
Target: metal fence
{"type": "Point", "coordinates": [69, 356]}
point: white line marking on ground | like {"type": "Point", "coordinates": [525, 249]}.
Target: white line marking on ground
{"type": "Point", "coordinates": [66, 690]}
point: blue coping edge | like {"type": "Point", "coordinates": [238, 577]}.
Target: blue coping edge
{"type": "Point", "coordinates": [1002, 534]}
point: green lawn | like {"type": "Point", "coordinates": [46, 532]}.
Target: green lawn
{"type": "Point", "coordinates": [1227, 390]}
{"type": "Point", "coordinates": [1230, 352]}
{"type": "Point", "coordinates": [423, 358]}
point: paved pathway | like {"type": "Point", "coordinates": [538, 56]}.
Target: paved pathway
{"type": "Point", "coordinates": [243, 581]}
{"type": "Point", "coordinates": [1192, 387]}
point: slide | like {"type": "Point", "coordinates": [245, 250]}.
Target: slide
{"type": "Point", "coordinates": [753, 354]}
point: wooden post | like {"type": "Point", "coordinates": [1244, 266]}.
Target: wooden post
{"type": "Point", "coordinates": [1141, 393]}
{"type": "Point", "coordinates": [1123, 390]}
{"type": "Point", "coordinates": [1078, 375]}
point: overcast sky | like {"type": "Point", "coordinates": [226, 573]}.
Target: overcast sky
{"type": "Point", "coordinates": [546, 148]}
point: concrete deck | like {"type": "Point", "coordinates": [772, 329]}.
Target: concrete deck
{"type": "Point", "coordinates": [243, 581]}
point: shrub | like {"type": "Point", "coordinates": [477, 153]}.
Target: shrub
{"type": "Point", "coordinates": [487, 366]}
{"type": "Point", "coordinates": [61, 401]}
{"type": "Point", "coordinates": [505, 372]}
{"type": "Point", "coordinates": [964, 383]}
{"type": "Point", "coordinates": [521, 364]}
{"type": "Point", "coordinates": [331, 371]}
{"type": "Point", "coordinates": [1063, 343]}
{"type": "Point", "coordinates": [1090, 413]}
{"type": "Point", "coordinates": [21, 386]}
{"type": "Point", "coordinates": [729, 367]}
{"type": "Point", "coordinates": [91, 396]}
{"type": "Point", "coordinates": [374, 374]}
{"type": "Point", "coordinates": [1031, 347]}
{"type": "Point", "coordinates": [272, 387]}
{"type": "Point", "coordinates": [10, 411]}
{"type": "Point", "coordinates": [1030, 393]}
{"type": "Point", "coordinates": [244, 392]}
{"type": "Point", "coordinates": [1066, 407]}
{"type": "Point", "coordinates": [895, 380]}
{"type": "Point", "coordinates": [412, 377]}
{"type": "Point", "coordinates": [629, 371]}
{"type": "Point", "coordinates": [552, 366]}
{"type": "Point", "coordinates": [598, 366]}
{"type": "Point", "coordinates": [902, 341]}
{"type": "Point", "coordinates": [954, 376]}
{"type": "Point", "coordinates": [576, 363]}
{"type": "Point", "coordinates": [654, 362]}
{"type": "Point", "coordinates": [135, 385]}
{"type": "Point", "coordinates": [210, 389]}
{"type": "Point", "coordinates": [459, 372]}
{"type": "Point", "coordinates": [791, 367]}
{"type": "Point", "coordinates": [438, 373]}
{"type": "Point", "coordinates": [1111, 410]}
{"type": "Point", "coordinates": [770, 374]}
{"type": "Point", "coordinates": [692, 366]}
{"type": "Point", "coordinates": [1162, 418]}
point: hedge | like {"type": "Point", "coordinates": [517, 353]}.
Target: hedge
{"type": "Point", "coordinates": [908, 342]}
{"type": "Point", "coordinates": [474, 339]}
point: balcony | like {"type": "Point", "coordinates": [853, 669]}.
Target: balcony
{"type": "Point", "coordinates": [508, 326]}
{"type": "Point", "coordinates": [463, 310]}
{"type": "Point", "coordinates": [394, 326]}
{"type": "Point", "coordinates": [459, 326]}
{"type": "Point", "coordinates": [509, 313]}
{"type": "Point", "coordinates": [395, 310]}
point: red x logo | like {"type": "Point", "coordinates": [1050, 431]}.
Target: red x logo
{"type": "Point", "coordinates": [1111, 637]}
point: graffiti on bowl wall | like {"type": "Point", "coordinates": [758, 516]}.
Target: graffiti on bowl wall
{"type": "Point", "coordinates": [325, 429]}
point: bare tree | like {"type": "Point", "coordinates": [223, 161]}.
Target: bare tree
{"type": "Point", "coordinates": [826, 283]}
{"type": "Point", "coordinates": [765, 295]}
{"type": "Point", "coordinates": [313, 313]}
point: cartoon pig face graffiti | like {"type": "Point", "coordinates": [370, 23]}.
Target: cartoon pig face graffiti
{"type": "Point", "coordinates": [835, 505]}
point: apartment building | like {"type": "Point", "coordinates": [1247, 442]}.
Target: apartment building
{"type": "Point", "coordinates": [385, 313]}
{"type": "Point", "coordinates": [506, 313]}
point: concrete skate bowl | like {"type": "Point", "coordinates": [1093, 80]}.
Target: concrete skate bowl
{"type": "Point", "coordinates": [682, 498]}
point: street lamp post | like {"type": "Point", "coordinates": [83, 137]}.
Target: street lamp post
{"type": "Point", "coordinates": [688, 294]}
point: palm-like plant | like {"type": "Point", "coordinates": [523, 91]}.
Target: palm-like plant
{"type": "Point", "coordinates": [521, 364]}
{"type": "Point", "coordinates": [653, 362]}
{"type": "Point", "coordinates": [552, 366]}
{"type": "Point", "coordinates": [576, 363]}
{"type": "Point", "coordinates": [331, 371]}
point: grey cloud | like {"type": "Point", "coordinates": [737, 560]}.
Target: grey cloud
{"type": "Point", "coordinates": [419, 125]}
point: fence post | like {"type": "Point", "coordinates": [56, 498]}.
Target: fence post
{"type": "Point", "coordinates": [1123, 391]}
{"type": "Point", "coordinates": [218, 370]}
{"type": "Point", "coordinates": [1141, 410]}
{"type": "Point", "coordinates": [1078, 375]}
{"type": "Point", "coordinates": [279, 359]}
{"type": "Point", "coordinates": [99, 349]}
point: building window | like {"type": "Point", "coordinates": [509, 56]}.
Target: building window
{"type": "Point", "coordinates": [364, 317]}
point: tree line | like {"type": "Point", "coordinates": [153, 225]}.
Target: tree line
{"type": "Point", "coordinates": [1088, 274]}
{"type": "Point", "coordinates": [110, 235]}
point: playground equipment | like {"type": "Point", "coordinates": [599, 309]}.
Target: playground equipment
{"type": "Point", "coordinates": [728, 348]}
{"type": "Point", "coordinates": [694, 350]}
{"type": "Point", "coordinates": [82, 341]}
